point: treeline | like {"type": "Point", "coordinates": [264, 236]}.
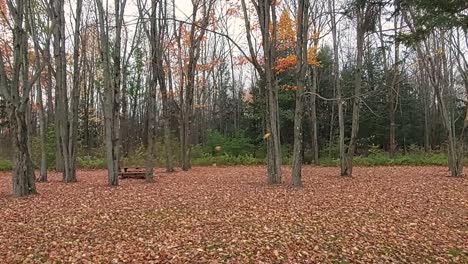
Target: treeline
{"type": "Point", "coordinates": [292, 81]}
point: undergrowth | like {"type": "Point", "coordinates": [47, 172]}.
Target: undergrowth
{"type": "Point", "coordinates": [377, 159]}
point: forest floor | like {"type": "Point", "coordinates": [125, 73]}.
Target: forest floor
{"type": "Point", "coordinates": [216, 214]}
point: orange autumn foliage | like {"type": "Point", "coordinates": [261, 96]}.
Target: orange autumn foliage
{"type": "Point", "coordinates": [288, 87]}
{"type": "Point", "coordinates": [286, 38]}
{"type": "Point", "coordinates": [283, 64]}
{"type": "Point", "coordinates": [289, 62]}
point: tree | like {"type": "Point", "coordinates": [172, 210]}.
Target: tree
{"type": "Point", "coordinates": [112, 76]}
{"type": "Point", "coordinates": [337, 87]}
{"type": "Point", "coordinates": [196, 35]}
{"type": "Point", "coordinates": [434, 62]}
{"type": "Point", "coordinates": [301, 69]}
{"type": "Point", "coordinates": [266, 14]}
{"type": "Point", "coordinates": [318, 22]}
{"type": "Point", "coordinates": [67, 106]}
{"type": "Point", "coordinates": [156, 36]}
{"type": "Point", "coordinates": [365, 19]}
{"type": "Point", "coordinates": [431, 15]}
{"type": "Point", "coordinates": [40, 106]}
{"type": "Point", "coordinates": [158, 64]}
{"type": "Point", "coordinates": [15, 88]}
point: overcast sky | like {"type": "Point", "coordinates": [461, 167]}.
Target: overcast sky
{"type": "Point", "coordinates": [183, 8]}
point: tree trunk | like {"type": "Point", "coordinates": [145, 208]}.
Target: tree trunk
{"type": "Point", "coordinates": [111, 83]}
{"type": "Point", "coordinates": [63, 124]}
{"type": "Point", "coordinates": [124, 122]}
{"type": "Point", "coordinates": [58, 145]}
{"type": "Point", "coordinates": [427, 131]}
{"type": "Point", "coordinates": [166, 127]}
{"type": "Point", "coordinates": [337, 86]}
{"type": "Point", "coordinates": [196, 35]}
{"type": "Point", "coordinates": [394, 91]}
{"type": "Point", "coordinates": [75, 97]}
{"type": "Point", "coordinates": [301, 71]}
{"type": "Point", "coordinates": [23, 171]}
{"type": "Point", "coordinates": [360, 32]}
{"type": "Point", "coordinates": [151, 124]}
{"type": "Point", "coordinates": [42, 132]}
{"type": "Point", "coordinates": [313, 116]}
{"type": "Point", "coordinates": [267, 15]}
{"type": "Point", "coordinates": [16, 91]}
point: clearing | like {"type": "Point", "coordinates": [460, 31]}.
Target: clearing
{"type": "Point", "coordinates": [228, 214]}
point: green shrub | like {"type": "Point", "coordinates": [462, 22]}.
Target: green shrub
{"type": "Point", "coordinates": [375, 149]}
{"type": "Point", "coordinates": [224, 160]}
{"type": "Point", "coordinates": [383, 159]}
{"type": "Point", "coordinates": [260, 151]}
{"type": "Point", "coordinates": [49, 148]}
{"type": "Point", "coordinates": [197, 152]}
{"type": "Point", "coordinates": [6, 165]}
{"type": "Point", "coordinates": [88, 162]}
{"type": "Point", "coordinates": [137, 158]}
{"type": "Point", "coordinates": [236, 145]}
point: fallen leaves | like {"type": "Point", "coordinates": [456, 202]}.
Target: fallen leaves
{"type": "Point", "coordinates": [228, 214]}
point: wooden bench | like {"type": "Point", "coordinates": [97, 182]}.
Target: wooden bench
{"type": "Point", "coordinates": [132, 173]}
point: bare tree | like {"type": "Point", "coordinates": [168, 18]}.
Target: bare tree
{"type": "Point", "coordinates": [112, 77]}
{"type": "Point", "coordinates": [66, 116]}
{"type": "Point", "coordinates": [266, 13]}
{"type": "Point", "coordinates": [15, 88]}
{"type": "Point", "coordinates": [196, 35]}
{"type": "Point", "coordinates": [39, 52]}
{"type": "Point", "coordinates": [75, 94]}
{"type": "Point", "coordinates": [432, 58]}
{"type": "Point", "coordinates": [301, 70]}
{"type": "Point", "coordinates": [365, 18]}
{"type": "Point", "coordinates": [337, 85]}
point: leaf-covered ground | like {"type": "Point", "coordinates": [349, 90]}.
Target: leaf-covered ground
{"type": "Point", "coordinates": [229, 215]}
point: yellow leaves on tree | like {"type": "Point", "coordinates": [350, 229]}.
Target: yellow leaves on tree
{"type": "Point", "coordinates": [286, 36]}
{"type": "Point", "coordinates": [312, 58]}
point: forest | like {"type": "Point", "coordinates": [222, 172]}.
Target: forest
{"type": "Point", "coordinates": [340, 97]}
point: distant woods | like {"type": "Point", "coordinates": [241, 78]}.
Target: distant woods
{"type": "Point", "coordinates": [286, 80]}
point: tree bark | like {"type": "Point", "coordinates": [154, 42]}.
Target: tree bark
{"type": "Point", "coordinates": [23, 171]}
{"type": "Point", "coordinates": [364, 13]}
{"type": "Point", "coordinates": [16, 90]}
{"type": "Point", "coordinates": [42, 130]}
{"type": "Point", "coordinates": [266, 13]}
{"type": "Point", "coordinates": [194, 55]}
{"type": "Point", "coordinates": [301, 70]}
{"type": "Point", "coordinates": [151, 124]}
{"type": "Point", "coordinates": [111, 83]}
{"type": "Point", "coordinates": [75, 96]}
{"type": "Point", "coordinates": [313, 116]}
{"type": "Point", "coordinates": [394, 91]}
{"type": "Point", "coordinates": [62, 116]}
{"type": "Point", "coordinates": [337, 86]}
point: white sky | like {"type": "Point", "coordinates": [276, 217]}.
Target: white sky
{"type": "Point", "coordinates": [183, 8]}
